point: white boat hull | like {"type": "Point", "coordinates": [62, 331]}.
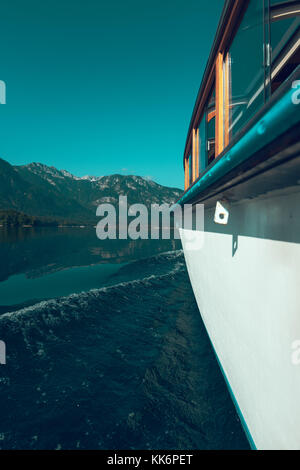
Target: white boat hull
{"type": "Point", "coordinates": [247, 286]}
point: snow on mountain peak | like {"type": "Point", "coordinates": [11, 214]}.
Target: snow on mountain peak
{"type": "Point", "coordinates": [91, 178]}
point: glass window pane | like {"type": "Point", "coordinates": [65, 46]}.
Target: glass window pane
{"type": "Point", "coordinates": [211, 127]}
{"type": "Point", "coordinates": [202, 146]}
{"type": "Point", "coordinates": [246, 62]}
{"type": "Point", "coordinates": [281, 33]}
{"type": "Point", "coordinates": [284, 45]}
{"type": "Point", "coordinates": [280, 2]}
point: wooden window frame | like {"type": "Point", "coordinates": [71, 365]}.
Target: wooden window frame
{"type": "Point", "coordinates": [227, 94]}
{"type": "Point", "coordinates": [186, 173]}
{"type": "Point", "coordinates": [219, 135]}
{"type": "Point", "coordinates": [195, 154]}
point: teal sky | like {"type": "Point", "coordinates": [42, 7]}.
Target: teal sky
{"type": "Point", "coordinates": [99, 87]}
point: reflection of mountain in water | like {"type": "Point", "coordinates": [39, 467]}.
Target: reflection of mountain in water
{"type": "Point", "coordinates": [44, 250]}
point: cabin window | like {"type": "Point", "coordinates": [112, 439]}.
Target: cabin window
{"type": "Point", "coordinates": [284, 40]}
{"type": "Point", "coordinates": [246, 74]}
{"type": "Point", "coordinates": [202, 146]}
{"type": "Point", "coordinates": [211, 127]}
{"type": "Point", "coordinates": [263, 53]}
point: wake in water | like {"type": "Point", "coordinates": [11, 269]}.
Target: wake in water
{"type": "Point", "coordinates": [127, 366]}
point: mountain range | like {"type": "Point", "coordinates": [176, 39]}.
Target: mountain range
{"type": "Point", "coordinates": [44, 191]}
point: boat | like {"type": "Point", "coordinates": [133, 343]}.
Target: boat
{"type": "Point", "coordinates": [242, 163]}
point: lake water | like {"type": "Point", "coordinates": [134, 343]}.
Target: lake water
{"type": "Point", "coordinates": [105, 347]}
